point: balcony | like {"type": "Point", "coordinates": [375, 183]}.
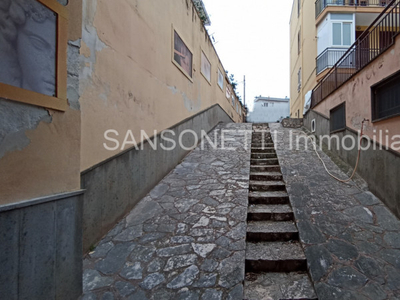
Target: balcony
{"type": "Point", "coordinates": [320, 5]}
{"type": "Point", "coordinates": [376, 39]}
{"type": "Point", "coordinates": [328, 58]}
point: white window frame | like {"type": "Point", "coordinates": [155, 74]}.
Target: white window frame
{"type": "Point", "coordinates": [341, 33]}
{"type": "Point", "coordinates": [338, 19]}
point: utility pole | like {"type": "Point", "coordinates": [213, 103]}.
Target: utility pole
{"type": "Point", "coordinates": [244, 90]}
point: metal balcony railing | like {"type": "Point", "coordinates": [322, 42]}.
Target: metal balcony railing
{"type": "Point", "coordinates": [320, 5]}
{"type": "Point", "coordinates": [378, 37]}
{"type": "Point", "coordinates": [328, 58]}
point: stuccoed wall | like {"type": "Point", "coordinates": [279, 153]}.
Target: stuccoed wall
{"type": "Point", "coordinates": [39, 147]}
{"type": "Point", "coordinates": [305, 60]}
{"type": "Point", "coordinates": [128, 80]}
{"type": "Point", "coordinates": [40, 196]}
{"type": "Point", "coordinates": [357, 94]}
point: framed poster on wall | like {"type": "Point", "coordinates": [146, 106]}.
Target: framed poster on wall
{"type": "Point", "coordinates": [33, 61]}
{"type": "Point", "coordinates": [220, 80]}
{"type": "Point", "coordinates": [205, 67]}
{"type": "Point", "coordinates": [228, 93]}
{"type": "Point", "coordinates": [182, 56]}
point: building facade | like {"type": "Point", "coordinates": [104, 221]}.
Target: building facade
{"type": "Point", "coordinates": [87, 88]}
{"type": "Point", "coordinates": [269, 109]}
{"type": "Point", "coordinates": [320, 33]}
{"type": "Point", "coordinates": [359, 92]}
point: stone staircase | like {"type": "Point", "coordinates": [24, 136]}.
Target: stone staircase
{"type": "Point", "coordinates": [276, 267]}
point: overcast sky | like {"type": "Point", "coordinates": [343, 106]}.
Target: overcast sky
{"type": "Point", "coordinates": [252, 39]}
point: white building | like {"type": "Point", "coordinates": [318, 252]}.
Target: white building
{"type": "Point", "coordinates": [268, 110]}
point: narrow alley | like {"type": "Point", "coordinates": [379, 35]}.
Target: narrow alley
{"type": "Point", "coordinates": [187, 238]}
{"type": "Point", "coordinates": [155, 150]}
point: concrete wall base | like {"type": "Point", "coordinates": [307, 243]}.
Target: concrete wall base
{"type": "Point", "coordinates": [380, 168]}
{"type": "Point", "coordinates": [114, 186]}
{"type": "Point", "coordinates": [41, 248]}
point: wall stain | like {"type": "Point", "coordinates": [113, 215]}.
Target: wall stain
{"type": "Point", "coordinates": [16, 118]}
{"type": "Point", "coordinates": [92, 45]}
{"type": "Point", "coordinates": [173, 89]}
{"type": "Point", "coordinates": [356, 82]}
{"type": "Point", "coordinates": [190, 105]}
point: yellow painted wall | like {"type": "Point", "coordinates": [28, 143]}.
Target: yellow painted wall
{"type": "Point", "coordinates": [49, 162]}
{"type": "Point", "coordinates": [306, 59]}
{"type": "Point", "coordinates": [295, 58]}
{"type": "Point", "coordinates": [128, 80]}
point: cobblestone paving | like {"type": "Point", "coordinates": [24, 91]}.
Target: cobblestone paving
{"type": "Point", "coordinates": [186, 238]}
{"type": "Point", "coordinates": [351, 239]}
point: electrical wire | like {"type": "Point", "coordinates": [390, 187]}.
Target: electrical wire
{"type": "Point", "coordinates": [358, 157]}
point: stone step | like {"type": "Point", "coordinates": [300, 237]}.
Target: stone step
{"type": "Point", "coordinates": [275, 257]}
{"type": "Point", "coordinates": [266, 176]}
{"type": "Point", "coordinates": [259, 133]}
{"type": "Point", "coordinates": [272, 212]}
{"type": "Point", "coordinates": [278, 197]}
{"type": "Point", "coordinates": [261, 129]}
{"type": "Point", "coordinates": [267, 186]}
{"type": "Point", "coordinates": [259, 142]}
{"type": "Point", "coordinates": [266, 139]}
{"type": "Point", "coordinates": [262, 150]}
{"type": "Point", "coordinates": [263, 155]}
{"type": "Point", "coordinates": [294, 285]}
{"type": "Point", "coordinates": [264, 162]}
{"type": "Point", "coordinates": [268, 168]}
{"type": "Point", "coordinates": [261, 139]}
{"type": "Point", "coordinates": [267, 231]}
{"type": "Point", "coordinates": [262, 145]}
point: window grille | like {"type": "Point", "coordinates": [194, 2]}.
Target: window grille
{"type": "Point", "coordinates": [338, 118]}
{"type": "Point", "coordinates": [386, 98]}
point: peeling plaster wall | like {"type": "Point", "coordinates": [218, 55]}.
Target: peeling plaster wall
{"type": "Point", "coordinates": [357, 95]}
{"type": "Point", "coordinates": [128, 80]}
{"type": "Point", "coordinates": [41, 203]}
{"type": "Point", "coordinates": [40, 148]}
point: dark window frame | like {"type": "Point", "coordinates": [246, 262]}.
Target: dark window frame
{"type": "Point", "coordinates": [332, 111]}
{"type": "Point", "coordinates": [298, 7]}
{"type": "Point", "coordinates": [391, 81]}
{"type": "Point", "coordinates": [299, 41]}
